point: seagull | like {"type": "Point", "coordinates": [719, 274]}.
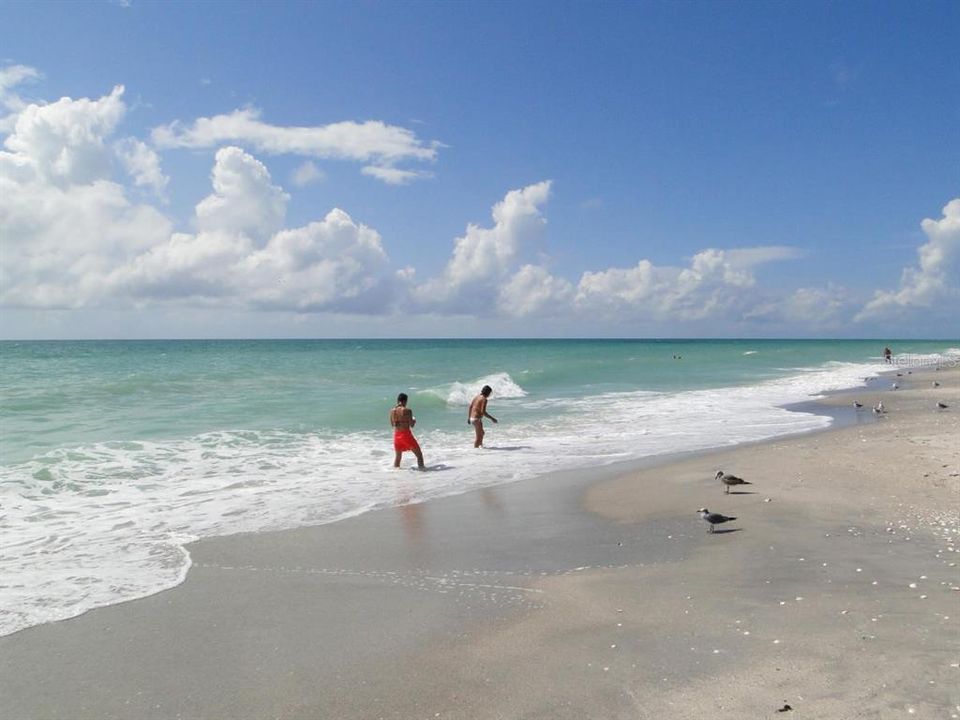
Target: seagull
{"type": "Point", "coordinates": [713, 518]}
{"type": "Point", "coordinates": [942, 406]}
{"type": "Point", "coordinates": [936, 384]}
{"type": "Point", "coordinates": [894, 386]}
{"type": "Point", "coordinates": [729, 480]}
{"type": "Point", "coordinates": [857, 405]}
{"type": "Point", "coordinates": [879, 409]}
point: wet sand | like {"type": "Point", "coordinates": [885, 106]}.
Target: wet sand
{"type": "Point", "coordinates": [836, 592]}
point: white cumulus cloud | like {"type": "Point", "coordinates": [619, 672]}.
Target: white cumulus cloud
{"type": "Point", "coordinates": [494, 270]}
{"type": "Point", "coordinates": [306, 173]}
{"type": "Point", "coordinates": [717, 283]}
{"type": "Point", "coordinates": [244, 200]}
{"type": "Point", "coordinates": [143, 165]}
{"type": "Point", "coordinates": [60, 245]}
{"type": "Point", "coordinates": [72, 236]}
{"type": "Point", "coordinates": [242, 256]}
{"type": "Point", "coordinates": [811, 308]}
{"type": "Point", "coordinates": [374, 142]}
{"type": "Point", "coordinates": [532, 290]}
{"type": "Point", "coordinates": [484, 257]}
{"type": "Point", "coordinates": [935, 279]}
{"type": "Point", "coordinates": [334, 264]}
{"type": "Point", "coordinates": [11, 102]}
{"type": "Point", "coordinates": [394, 176]}
{"type": "Point", "coordinates": [13, 75]}
{"type": "Point", "coordinates": [66, 224]}
{"type": "Point", "coordinates": [65, 142]}
{"type": "Point", "coordinates": [76, 232]}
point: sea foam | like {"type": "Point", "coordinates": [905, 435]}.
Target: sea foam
{"type": "Point", "coordinates": [461, 393]}
{"type": "Point", "coordinates": [90, 526]}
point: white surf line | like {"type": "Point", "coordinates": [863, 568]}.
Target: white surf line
{"type": "Point", "coordinates": [588, 568]}
{"type": "Point", "coordinates": [367, 573]}
{"type": "Point", "coordinates": [299, 570]}
{"type": "Point", "coordinates": [456, 583]}
{"type": "Point", "coordinates": [412, 578]}
{"type": "Point", "coordinates": [392, 573]}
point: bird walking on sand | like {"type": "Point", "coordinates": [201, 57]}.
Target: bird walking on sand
{"type": "Point", "coordinates": [713, 518]}
{"type": "Point", "coordinates": [879, 409]}
{"type": "Point", "coordinates": [894, 386]}
{"type": "Point", "coordinates": [857, 405]}
{"type": "Point", "coordinates": [942, 406]}
{"type": "Point", "coordinates": [936, 384]}
{"type": "Point", "coordinates": [730, 480]}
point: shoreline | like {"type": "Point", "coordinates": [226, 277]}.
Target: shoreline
{"type": "Point", "coordinates": [558, 597]}
{"type": "Point", "coordinates": [599, 465]}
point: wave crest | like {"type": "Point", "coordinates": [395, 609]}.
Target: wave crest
{"type": "Point", "coordinates": [461, 393]}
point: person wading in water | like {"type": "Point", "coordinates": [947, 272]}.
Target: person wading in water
{"type": "Point", "coordinates": [477, 412]}
{"type": "Point", "coordinates": [402, 422]}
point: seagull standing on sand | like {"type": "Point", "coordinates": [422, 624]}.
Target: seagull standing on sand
{"type": "Point", "coordinates": [936, 384]}
{"type": "Point", "coordinates": [879, 409]}
{"type": "Point", "coordinates": [894, 386]}
{"type": "Point", "coordinates": [713, 518]}
{"type": "Point", "coordinates": [729, 480]}
{"type": "Point", "coordinates": [942, 406]}
{"type": "Point", "coordinates": [857, 405]}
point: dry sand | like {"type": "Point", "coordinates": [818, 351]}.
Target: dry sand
{"type": "Point", "coordinates": [840, 595]}
{"type": "Point", "coordinates": [836, 592]}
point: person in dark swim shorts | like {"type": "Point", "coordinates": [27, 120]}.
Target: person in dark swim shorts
{"type": "Point", "coordinates": [477, 412]}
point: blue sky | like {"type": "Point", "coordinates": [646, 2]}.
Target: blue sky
{"type": "Point", "coordinates": [479, 169]}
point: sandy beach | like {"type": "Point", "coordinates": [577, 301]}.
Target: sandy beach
{"type": "Point", "coordinates": [834, 594]}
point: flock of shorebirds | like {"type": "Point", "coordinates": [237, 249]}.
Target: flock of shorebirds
{"type": "Point", "coordinates": [879, 409]}
{"type": "Point", "coordinates": [713, 519]}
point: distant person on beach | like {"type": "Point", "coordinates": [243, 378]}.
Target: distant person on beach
{"type": "Point", "coordinates": [477, 412]}
{"type": "Point", "coordinates": [887, 355]}
{"type": "Point", "coordinates": [402, 422]}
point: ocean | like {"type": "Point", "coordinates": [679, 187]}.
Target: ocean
{"type": "Point", "coordinates": [116, 454]}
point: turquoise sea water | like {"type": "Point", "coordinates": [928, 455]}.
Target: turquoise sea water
{"type": "Point", "coordinates": [66, 394]}
{"type": "Point", "coordinates": [115, 454]}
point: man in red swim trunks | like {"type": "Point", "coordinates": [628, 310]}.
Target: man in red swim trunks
{"type": "Point", "coordinates": [402, 422]}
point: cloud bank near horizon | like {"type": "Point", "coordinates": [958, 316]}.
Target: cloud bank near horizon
{"type": "Point", "coordinates": [80, 233]}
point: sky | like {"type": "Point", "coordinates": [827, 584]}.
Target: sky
{"type": "Point", "coordinates": [479, 169]}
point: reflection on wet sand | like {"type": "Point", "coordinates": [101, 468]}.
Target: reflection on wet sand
{"type": "Point", "coordinates": [413, 514]}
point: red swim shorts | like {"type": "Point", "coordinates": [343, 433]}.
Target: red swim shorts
{"type": "Point", "coordinates": [404, 440]}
